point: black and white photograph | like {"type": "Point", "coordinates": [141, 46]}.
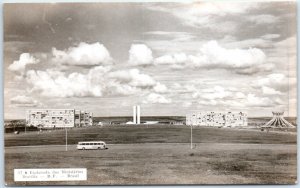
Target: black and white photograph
{"type": "Point", "coordinates": [150, 93]}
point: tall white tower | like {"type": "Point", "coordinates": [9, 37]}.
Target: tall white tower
{"type": "Point", "coordinates": [138, 114]}
{"type": "Point", "coordinates": [134, 114]}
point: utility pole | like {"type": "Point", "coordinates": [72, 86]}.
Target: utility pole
{"type": "Point", "coordinates": [66, 131]}
{"type": "Point", "coordinates": [66, 139]}
{"type": "Point", "coordinates": [191, 137]}
{"type": "Point", "coordinates": [25, 126]}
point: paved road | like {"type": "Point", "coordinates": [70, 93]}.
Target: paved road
{"type": "Point", "coordinates": [197, 146]}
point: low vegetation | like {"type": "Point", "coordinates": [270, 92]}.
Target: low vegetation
{"type": "Point", "coordinates": [163, 163]}
{"type": "Point", "coordinates": [129, 134]}
{"type": "Point", "coordinates": [159, 154]}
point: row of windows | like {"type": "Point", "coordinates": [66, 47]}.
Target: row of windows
{"type": "Point", "coordinates": [91, 144]}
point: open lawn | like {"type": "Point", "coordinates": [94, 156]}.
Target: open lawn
{"type": "Point", "coordinates": [159, 155]}
{"type": "Point", "coordinates": [151, 134]}
{"type": "Point", "coordinates": [163, 163]}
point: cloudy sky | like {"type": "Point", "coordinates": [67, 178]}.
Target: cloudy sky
{"type": "Point", "coordinates": [170, 58]}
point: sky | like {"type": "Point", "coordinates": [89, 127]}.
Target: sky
{"type": "Point", "coordinates": [172, 59]}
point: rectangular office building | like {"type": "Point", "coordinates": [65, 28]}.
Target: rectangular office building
{"type": "Point", "coordinates": [220, 119]}
{"type": "Point", "coordinates": [58, 118]}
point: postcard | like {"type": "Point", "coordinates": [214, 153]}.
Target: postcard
{"type": "Point", "coordinates": [150, 93]}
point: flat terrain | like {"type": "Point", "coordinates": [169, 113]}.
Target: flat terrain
{"type": "Point", "coordinates": [159, 155]}
{"type": "Point", "coordinates": [163, 163]}
{"type": "Point", "coordinates": [151, 134]}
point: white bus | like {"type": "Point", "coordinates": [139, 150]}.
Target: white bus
{"type": "Point", "coordinates": [91, 145]}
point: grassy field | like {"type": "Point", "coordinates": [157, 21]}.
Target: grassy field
{"type": "Point", "coordinates": [159, 155]}
{"type": "Point", "coordinates": [163, 163]}
{"type": "Point", "coordinates": [151, 134]}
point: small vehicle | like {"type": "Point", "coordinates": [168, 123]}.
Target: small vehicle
{"type": "Point", "coordinates": [91, 145]}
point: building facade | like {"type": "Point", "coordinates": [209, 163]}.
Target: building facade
{"type": "Point", "coordinates": [136, 115]}
{"type": "Point", "coordinates": [220, 119]}
{"type": "Point", "coordinates": [58, 118]}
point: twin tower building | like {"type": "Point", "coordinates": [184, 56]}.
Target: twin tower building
{"type": "Point", "coordinates": [136, 114]}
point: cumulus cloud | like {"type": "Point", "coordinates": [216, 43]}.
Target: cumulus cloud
{"type": "Point", "coordinates": [254, 101]}
{"type": "Point", "coordinates": [274, 80]}
{"type": "Point", "coordinates": [156, 98]}
{"type": "Point", "coordinates": [22, 100]}
{"type": "Point", "coordinates": [212, 55]}
{"type": "Point", "coordinates": [230, 97]}
{"type": "Point", "coordinates": [133, 77]}
{"type": "Point", "coordinates": [275, 83]}
{"type": "Point", "coordinates": [160, 88]}
{"type": "Point", "coordinates": [187, 104]}
{"type": "Point", "coordinates": [270, 36]}
{"type": "Point", "coordinates": [24, 60]}
{"type": "Point", "coordinates": [210, 102]}
{"type": "Point", "coordinates": [99, 81]}
{"type": "Point", "coordinates": [263, 19]}
{"type": "Point", "coordinates": [185, 88]}
{"type": "Point", "coordinates": [57, 84]}
{"type": "Point", "coordinates": [180, 58]}
{"type": "Point", "coordinates": [82, 54]}
{"type": "Point", "coordinates": [241, 100]}
{"type": "Point", "coordinates": [270, 91]}
{"type": "Point", "coordinates": [217, 92]}
{"type": "Point", "coordinates": [140, 54]}
{"type": "Point", "coordinates": [209, 95]}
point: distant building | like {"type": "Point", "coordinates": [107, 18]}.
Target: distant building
{"type": "Point", "coordinates": [58, 118]}
{"type": "Point", "coordinates": [177, 122]}
{"type": "Point", "coordinates": [136, 115]}
{"type": "Point", "coordinates": [278, 121]}
{"type": "Point", "coordinates": [224, 119]}
{"type": "Point", "coordinates": [150, 122]}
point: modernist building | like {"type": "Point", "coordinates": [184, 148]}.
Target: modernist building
{"type": "Point", "coordinates": [136, 115]}
{"type": "Point", "coordinates": [58, 118]}
{"type": "Point", "coordinates": [224, 119]}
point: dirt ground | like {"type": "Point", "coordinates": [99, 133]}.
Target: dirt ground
{"type": "Point", "coordinates": [162, 163]}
